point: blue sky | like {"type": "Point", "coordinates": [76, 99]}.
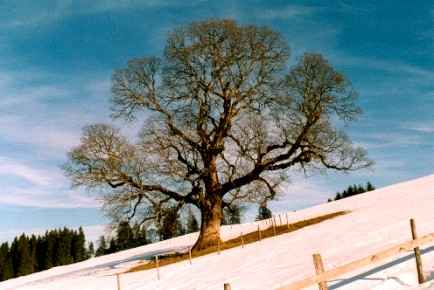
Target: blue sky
{"type": "Point", "coordinates": [56, 60]}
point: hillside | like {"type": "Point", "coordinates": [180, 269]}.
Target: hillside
{"type": "Point", "coordinates": [378, 219]}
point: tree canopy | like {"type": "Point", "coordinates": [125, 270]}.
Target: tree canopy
{"type": "Point", "coordinates": [226, 118]}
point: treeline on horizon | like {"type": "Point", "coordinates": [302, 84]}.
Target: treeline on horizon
{"type": "Point", "coordinates": [30, 254]}
{"type": "Point", "coordinates": [353, 190]}
{"type": "Point", "coordinates": [171, 225]}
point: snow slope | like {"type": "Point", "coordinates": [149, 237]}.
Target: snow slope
{"type": "Point", "coordinates": [377, 220]}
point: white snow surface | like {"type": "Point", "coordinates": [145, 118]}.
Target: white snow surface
{"type": "Point", "coordinates": [378, 219]}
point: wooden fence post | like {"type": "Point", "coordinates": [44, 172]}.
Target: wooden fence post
{"type": "Point", "coordinates": [118, 281]}
{"type": "Point", "coordinates": [319, 268]}
{"type": "Point", "coordinates": [419, 269]}
{"type": "Point", "coordinates": [259, 233]}
{"type": "Point", "coordinates": [287, 221]}
{"type": "Point", "coordinates": [227, 286]}
{"type": "Point", "coordinates": [189, 255]}
{"type": "Point", "coordinates": [274, 227]}
{"type": "Point", "coordinates": [157, 263]}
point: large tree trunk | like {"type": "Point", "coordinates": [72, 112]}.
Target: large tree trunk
{"type": "Point", "coordinates": [210, 227]}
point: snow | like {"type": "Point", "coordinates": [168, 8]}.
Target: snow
{"type": "Point", "coordinates": [377, 220]}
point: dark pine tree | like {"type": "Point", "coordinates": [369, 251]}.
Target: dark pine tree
{"type": "Point", "coordinates": [6, 266]}
{"type": "Point", "coordinates": [90, 250]}
{"type": "Point", "coordinates": [113, 248]}
{"type": "Point", "coordinates": [369, 186]}
{"type": "Point", "coordinates": [231, 215]}
{"type": "Point", "coordinates": [192, 224]}
{"type": "Point", "coordinates": [63, 251]}
{"type": "Point", "coordinates": [264, 212]}
{"type": "Point", "coordinates": [353, 190]}
{"type": "Point", "coordinates": [50, 243]}
{"type": "Point", "coordinates": [14, 256]}
{"type": "Point", "coordinates": [102, 247]}
{"type": "Point", "coordinates": [169, 226]}
{"type": "Point", "coordinates": [78, 246]}
{"type": "Point", "coordinates": [141, 236]}
{"type": "Point", "coordinates": [31, 254]}
{"type": "Point", "coordinates": [33, 243]}
{"type": "Point", "coordinates": [24, 263]}
{"type": "Point", "coordinates": [124, 237]}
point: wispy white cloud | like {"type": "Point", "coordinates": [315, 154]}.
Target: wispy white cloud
{"type": "Point", "coordinates": [389, 139]}
{"type": "Point", "coordinates": [46, 135]}
{"type": "Point", "coordinates": [40, 123]}
{"type": "Point", "coordinates": [395, 67]}
{"type": "Point", "coordinates": [45, 186]}
{"type": "Point", "coordinates": [285, 13]}
{"type": "Point", "coordinates": [421, 126]}
{"type": "Point", "coordinates": [353, 8]}
{"type": "Point", "coordinates": [38, 111]}
{"type": "Point", "coordinates": [48, 196]}
{"type": "Point", "coordinates": [36, 176]}
{"type": "Point", "coordinates": [49, 11]}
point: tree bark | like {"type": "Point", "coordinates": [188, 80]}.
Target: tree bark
{"type": "Point", "coordinates": [210, 228]}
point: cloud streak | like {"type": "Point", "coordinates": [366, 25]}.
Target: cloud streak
{"type": "Point", "coordinates": [48, 11]}
{"type": "Point", "coordinates": [285, 13]}
{"type": "Point", "coordinates": [33, 175]}
{"type": "Point", "coordinates": [421, 127]}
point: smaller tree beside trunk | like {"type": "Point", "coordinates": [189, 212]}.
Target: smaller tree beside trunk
{"type": "Point", "coordinates": [264, 212]}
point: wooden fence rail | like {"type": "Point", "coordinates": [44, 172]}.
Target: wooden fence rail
{"type": "Point", "coordinates": [323, 276]}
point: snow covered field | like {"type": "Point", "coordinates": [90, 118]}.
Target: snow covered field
{"type": "Point", "coordinates": [378, 219]}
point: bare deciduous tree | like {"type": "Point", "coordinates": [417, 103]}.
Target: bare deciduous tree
{"type": "Point", "coordinates": [225, 119]}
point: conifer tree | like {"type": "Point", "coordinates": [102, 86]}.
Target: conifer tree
{"type": "Point", "coordinates": [125, 236]}
{"type": "Point", "coordinates": [112, 247]}
{"type": "Point", "coordinates": [32, 249]}
{"type": "Point", "coordinates": [6, 267]}
{"type": "Point", "coordinates": [192, 224]}
{"type": "Point", "coordinates": [353, 190]}
{"type": "Point", "coordinates": [102, 247]}
{"type": "Point", "coordinates": [14, 255]}
{"type": "Point", "coordinates": [136, 239]}
{"type": "Point", "coordinates": [142, 236]}
{"type": "Point", "coordinates": [169, 226]}
{"type": "Point", "coordinates": [91, 250]}
{"type": "Point", "coordinates": [369, 186]}
{"type": "Point", "coordinates": [78, 247]}
{"type": "Point", "coordinates": [48, 252]}
{"type": "Point", "coordinates": [263, 212]}
{"type": "Point", "coordinates": [232, 215]}
{"type": "Point", "coordinates": [63, 251]}
{"type": "Point", "coordinates": [28, 254]}
{"type": "Point", "coordinates": [24, 264]}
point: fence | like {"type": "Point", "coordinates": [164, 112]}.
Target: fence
{"type": "Point", "coordinates": [322, 276]}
